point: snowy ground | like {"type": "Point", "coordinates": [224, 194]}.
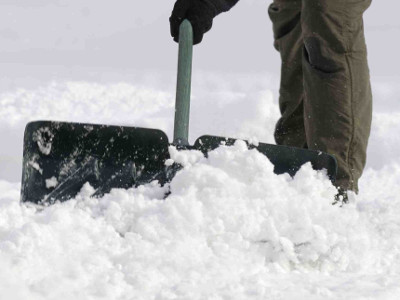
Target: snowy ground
{"type": "Point", "coordinates": [230, 229]}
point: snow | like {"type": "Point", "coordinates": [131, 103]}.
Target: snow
{"type": "Point", "coordinates": [230, 228]}
{"type": "Point", "coordinates": [51, 182]}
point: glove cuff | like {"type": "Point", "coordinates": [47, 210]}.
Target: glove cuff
{"type": "Point", "coordinates": [220, 6]}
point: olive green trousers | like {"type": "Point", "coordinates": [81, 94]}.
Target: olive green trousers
{"type": "Point", "coordinates": [325, 93]}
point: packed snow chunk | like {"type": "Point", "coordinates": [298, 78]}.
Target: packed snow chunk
{"type": "Point", "coordinates": [183, 157]}
{"type": "Point", "coordinates": [44, 138]}
{"type": "Point", "coordinates": [36, 166]}
{"type": "Point", "coordinates": [51, 182]}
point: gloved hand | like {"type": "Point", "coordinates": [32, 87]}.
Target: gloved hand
{"type": "Point", "coordinates": [200, 13]}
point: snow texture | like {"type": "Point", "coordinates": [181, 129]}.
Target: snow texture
{"type": "Point", "coordinates": [230, 229]}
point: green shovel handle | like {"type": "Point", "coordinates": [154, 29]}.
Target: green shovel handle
{"type": "Point", "coordinates": [183, 87]}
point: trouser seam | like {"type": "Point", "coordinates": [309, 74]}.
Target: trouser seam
{"type": "Point", "coordinates": [350, 149]}
{"type": "Point", "coordinates": [348, 50]}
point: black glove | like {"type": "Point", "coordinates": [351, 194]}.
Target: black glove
{"type": "Point", "coordinates": [200, 13]}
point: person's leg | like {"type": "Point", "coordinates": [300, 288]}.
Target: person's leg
{"type": "Point", "coordinates": [338, 101]}
{"type": "Point", "coordinates": [285, 17]}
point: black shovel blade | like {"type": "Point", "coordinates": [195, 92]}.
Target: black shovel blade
{"type": "Point", "coordinates": [285, 159]}
{"type": "Point", "coordinates": [59, 158]}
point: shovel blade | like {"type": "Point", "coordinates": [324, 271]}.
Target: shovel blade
{"type": "Point", "coordinates": [285, 159]}
{"type": "Point", "coordinates": [59, 158]}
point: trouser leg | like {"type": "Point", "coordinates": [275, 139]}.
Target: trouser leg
{"type": "Point", "coordinates": [285, 16]}
{"type": "Point", "coordinates": [338, 101]}
{"type": "Point", "coordinates": [325, 96]}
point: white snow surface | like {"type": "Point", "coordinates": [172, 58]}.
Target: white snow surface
{"type": "Point", "coordinates": [230, 229]}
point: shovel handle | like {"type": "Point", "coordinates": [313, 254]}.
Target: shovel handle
{"type": "Point", "coordinates": [183, 87]}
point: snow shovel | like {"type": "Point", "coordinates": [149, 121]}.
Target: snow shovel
{"type": "Point", "coordinates": [60, 157]}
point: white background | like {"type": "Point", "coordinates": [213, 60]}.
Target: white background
{"type": "Point", "coordinates": [74, 39]}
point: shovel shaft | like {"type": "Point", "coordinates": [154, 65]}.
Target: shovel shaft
{"type": "Point", "coordinates": [183, 87]}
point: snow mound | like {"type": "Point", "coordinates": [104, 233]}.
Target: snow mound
{"type": "Point", "coordinates": [230, 229]}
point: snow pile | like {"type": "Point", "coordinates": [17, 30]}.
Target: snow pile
{"type": "Point", "coordinates": [230, 229]}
